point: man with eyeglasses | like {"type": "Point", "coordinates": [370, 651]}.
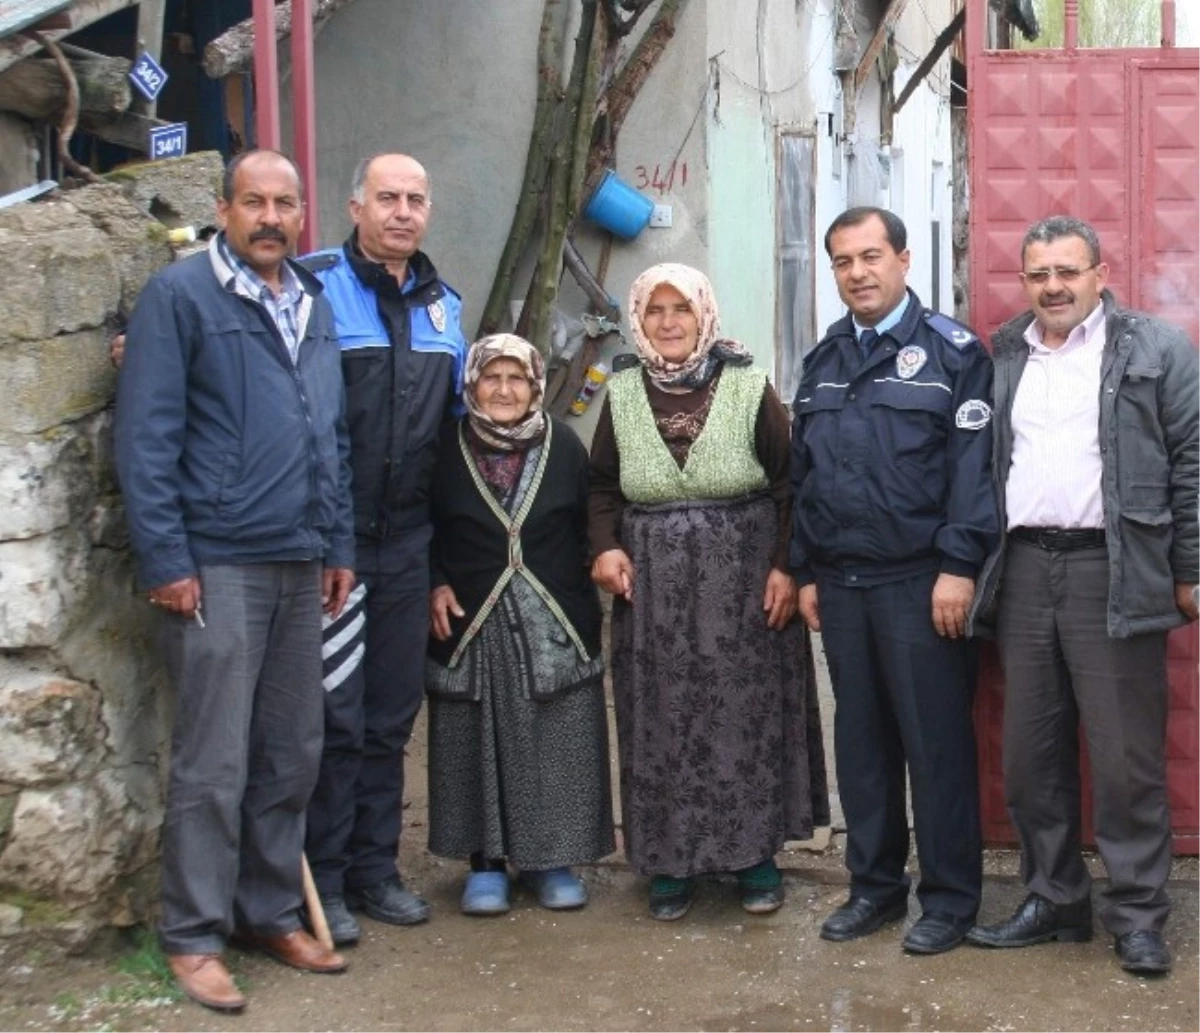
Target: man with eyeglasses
{"type": "Point", "coordinates": [1096, 472]}
{"type": "Point", "coordinates": [894, 515]}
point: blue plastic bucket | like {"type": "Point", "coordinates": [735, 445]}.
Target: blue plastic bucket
{"type": "Point", "coordinates": [619, 208]}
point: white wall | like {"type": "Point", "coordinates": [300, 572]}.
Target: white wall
{"type": "Point", "coordinates": [453, 83]}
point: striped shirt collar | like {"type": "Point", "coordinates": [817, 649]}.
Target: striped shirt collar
{"type": "Point", "coordinates": [1085, 332]}
{"type": "Point", "coordinates": [289, 309]}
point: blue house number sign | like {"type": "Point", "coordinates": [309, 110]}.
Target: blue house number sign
{"type": "Point", "coordinates": [148, 76]}
{"type": "Point", "coordinates": [168, 141]}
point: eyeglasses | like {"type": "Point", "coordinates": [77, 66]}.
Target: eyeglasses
{"type": "Point", "coordinates": [1064, 273]}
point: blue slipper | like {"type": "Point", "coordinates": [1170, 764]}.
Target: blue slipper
{"type": "Point", "coordinates": [486, 893]}
{"type": "Point", "coordinates": [558, 889]}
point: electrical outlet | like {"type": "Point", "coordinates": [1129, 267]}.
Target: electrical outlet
{"type": "Point", "coordinates": [660, 218]}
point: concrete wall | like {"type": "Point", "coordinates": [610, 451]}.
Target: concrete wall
{"type": "Point", "coordinates": [455, 85]}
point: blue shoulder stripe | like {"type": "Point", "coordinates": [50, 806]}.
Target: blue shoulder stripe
{"type": "Point", "coordinates": [958, 334]}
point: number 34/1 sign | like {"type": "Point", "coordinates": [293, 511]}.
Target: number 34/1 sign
{"type": "Point", "coordinates": [168, 141]}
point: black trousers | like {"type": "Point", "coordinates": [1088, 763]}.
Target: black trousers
{"type": "Point", "coordinates": [1060, 665]}
{"type": "Point", "coordinates": [374, 666]}
{"type": "Point", "coordinates": [904, 696]}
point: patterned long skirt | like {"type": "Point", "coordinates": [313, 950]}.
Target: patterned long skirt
{"type": "Point", "coordinates": [515, 777]}
{"type": "Point", "coordinates": [718, 730]}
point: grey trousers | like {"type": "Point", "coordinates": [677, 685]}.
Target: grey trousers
{"type": "Point", "coordinates": [245, 753]}
{"type": "Point", "coordinates": [1060, 665]}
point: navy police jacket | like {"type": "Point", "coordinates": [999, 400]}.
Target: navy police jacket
{"type": "Point", "coordinates": [891, 454]}
{"type": "Point", "coordinates": [403, 354]}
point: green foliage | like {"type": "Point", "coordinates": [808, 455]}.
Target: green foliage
{"type": "Point", "coordinates": [149, 975]}
{"type": "Point", "coordinates": [36, 910]}
{"type": "Point", "coordinates": [1102, 23]}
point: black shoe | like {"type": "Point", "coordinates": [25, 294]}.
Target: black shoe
{"type": "Point", "coordinates": [670, 898]}
{"type": "Point", "coordinates": [342, 925]}
{"type": "Point", "coordinates": [389, 901]}
{"type": "Point", "coordinates": [1143, 952]}
{"type": "Point", "coordinates": [1036, 921]}
{"type": "Point", "coordinates": [860, 917]}
{"type": "Point", "coordinates": [936, 932]}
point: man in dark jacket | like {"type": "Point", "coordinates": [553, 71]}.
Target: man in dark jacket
{"type": "Point", "coordinates": [894, 515]}
{"type": "Point", "coordinates": [232, 450]}
{"type": "Point", "coordinates": [1096, 470]}
{"type": "Point", "coordinates": [398, 327]}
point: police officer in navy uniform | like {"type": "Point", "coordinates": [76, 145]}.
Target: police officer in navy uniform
{"type": "Point", "coordinates": [894, 516]}
{"type": "Point", "coordinates": [402, 347]}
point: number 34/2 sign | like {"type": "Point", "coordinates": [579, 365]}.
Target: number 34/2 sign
{"type": "Point", "coordinates": [168, 141]}
{"type": "Point", "coordinates": [148, 76]}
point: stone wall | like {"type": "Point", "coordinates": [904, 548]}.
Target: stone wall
{"type": "Point", "coordinates": [84, 706]}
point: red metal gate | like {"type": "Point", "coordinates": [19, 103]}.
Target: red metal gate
{"type": "Point", "coordinates": [1110, 136]}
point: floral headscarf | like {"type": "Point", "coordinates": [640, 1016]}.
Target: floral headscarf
{"type": "Point", "coordinates": [711, 350]}
{"type": "Point", "coordinates": [533, 427]}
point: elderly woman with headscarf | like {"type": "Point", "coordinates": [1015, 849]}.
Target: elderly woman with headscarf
{"type": "Point", "coordinates": [518, 740]}
{"type": "Point", "coordinates": [718, 729]}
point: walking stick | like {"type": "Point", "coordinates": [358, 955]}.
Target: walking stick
{"type": "Point", "coordinates": [312, 901]}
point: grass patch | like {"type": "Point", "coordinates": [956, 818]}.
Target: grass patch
{"type": "Point", "coordinates": [68, 1005]}
{"type": "Point", "coordinates": [36, 910]}
{"type": "Point", "coordinates": [148, 976]}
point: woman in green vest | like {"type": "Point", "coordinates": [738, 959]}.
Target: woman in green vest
{"type": "Point", "coordinates": [718, 730]}
{"type": "Point", "coordinates": [518, 734]}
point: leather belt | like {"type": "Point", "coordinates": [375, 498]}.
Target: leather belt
{"type": "Point", "coordinates": [1060, 539]}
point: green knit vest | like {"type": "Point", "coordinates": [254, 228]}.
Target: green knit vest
{"type": "Point", "coordinates": [722, 463]}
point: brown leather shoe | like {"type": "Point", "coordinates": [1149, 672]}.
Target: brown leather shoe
{"type": "Point", "coordinates": [206, 980]}
{"type": "Point", "coordinates": [296, 948]}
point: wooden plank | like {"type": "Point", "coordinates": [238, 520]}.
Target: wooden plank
{"type": "Point", "coordinates": [232, 50]}
{"type": "Point", "coordinates": [151, 15]}
{"type": "Point", "coordinates": [940, 45]}
{"type": "Point", "coordinates": [127, 129]}
{"type": "Point", "coordinates": [21, 14]}
{"type": "Point", "coordinates": [82, 14]}
{"type": "Point", "coordinates": [895, 8]}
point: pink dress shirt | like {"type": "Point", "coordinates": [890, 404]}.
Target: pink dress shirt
{"type": "Point", "coordinates": [1055, 477]}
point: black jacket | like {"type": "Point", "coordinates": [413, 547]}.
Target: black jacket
{"type": "Point", "coordinates": [471, 547]}
{"type": "Point", "coordinates": [402, 359]}
{"type": "Point", "coordinates": [1150, 458]}
{"type": "Point", "coordinates": [891, 454]}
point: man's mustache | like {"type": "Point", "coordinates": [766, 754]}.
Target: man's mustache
{"type": "Point", "coordinates": [268, 233]}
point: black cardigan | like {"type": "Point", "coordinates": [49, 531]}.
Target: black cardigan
{"type": "Point", "coordinates": [470, 546]}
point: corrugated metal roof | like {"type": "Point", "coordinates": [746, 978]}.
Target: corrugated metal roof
{"type": "Point", "coordinates": [20, 14]}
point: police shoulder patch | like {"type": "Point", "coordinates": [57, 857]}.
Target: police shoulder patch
{"type": "Point", "coordinates": [973, 414]}
{"type": "Point", "coordinates": [952, 330]}
{"type": "Point", "coordinates": [437, 315]}
{"type": "Point", "coordinates": [319, 261]}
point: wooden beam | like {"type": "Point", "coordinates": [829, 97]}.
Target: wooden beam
{"type": "Point", "coordinates": [16, 15]}
{"type": "Point", "coordinates": [35, 88]}
{"type": "Point", "coordinates": [151, 15]}
{"type": "Point", "coordinates": [127, 129]}
{"type": "Point", "coordinates": [940, 46]}
{"type": "Point", "coordinates": [895, 8]}
{"type": "Point", "coordinates": [82, 14]}
{"type": "Point", "coordinates": [232, 50]}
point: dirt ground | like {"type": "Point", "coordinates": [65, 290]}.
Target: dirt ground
{"type": "Point", "coordinates": [610, 967]}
